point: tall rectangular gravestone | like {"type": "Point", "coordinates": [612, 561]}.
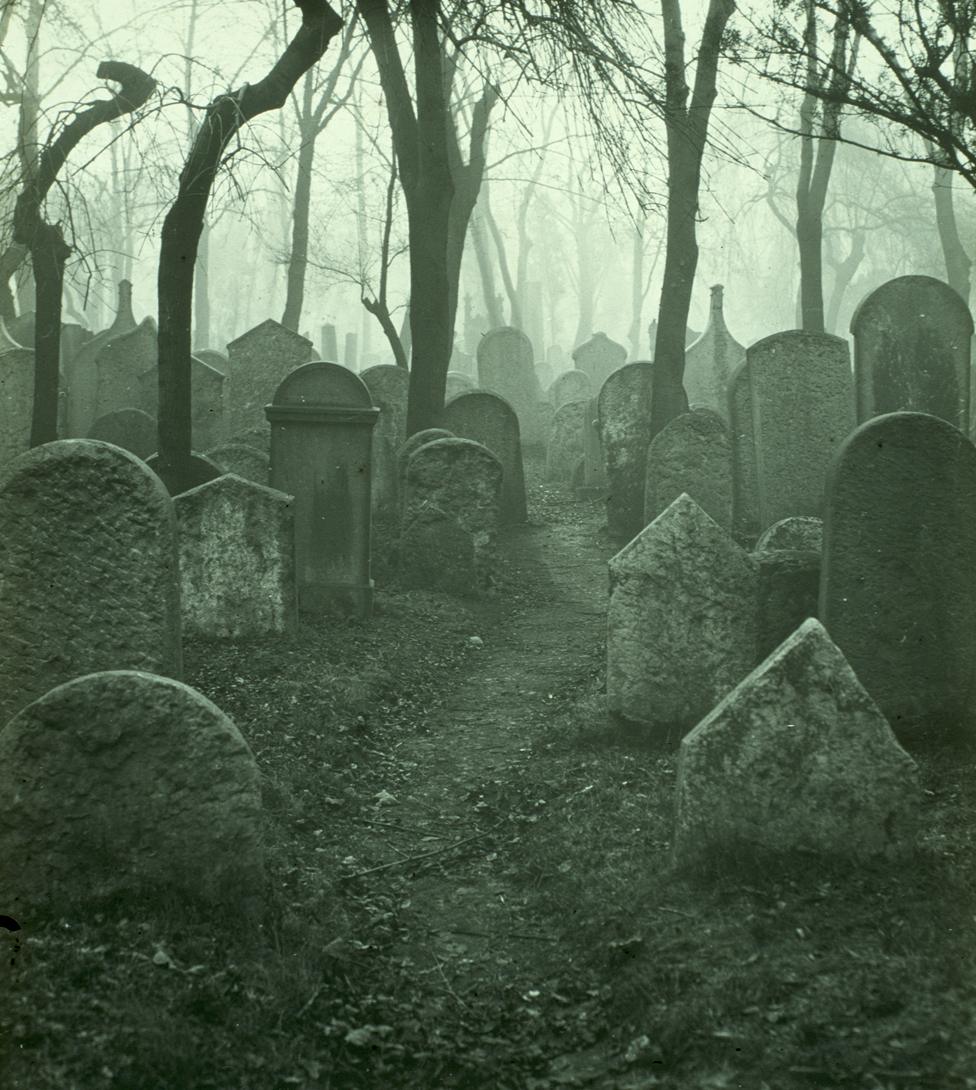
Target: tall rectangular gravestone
{"type": "Point", "coordinates": [506, 368]}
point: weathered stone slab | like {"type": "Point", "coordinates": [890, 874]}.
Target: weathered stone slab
{"type": "Point", "coordinates": [118, 367]}
{"type": "Point", "coordinates": [898, 594]}
{"type": "Point", "coordinates": [208, 421]}
{"type": "Point", "coordinates": [789, 587]}
{"type": "Point", "coordinates": [237, 559]}
{"type": "Point", "coordinates": [243, 460]}
{"type": "Point", "coordinates": [912, 346]}
{"type": "Point", "coordinates": [437, 553]}
{"type": "Point", "coordinates": [88, 569]}
{"type": "Point", "coordinates": [407, 447]}
{"type": "Point", "coordinates": [681, 626]}
{"type": "Point", "coordinates": [570, 386]}
{"type": "Point", "coordinates": [594, 473]}
{"type": "Point", "coordinates": [797, 758]}
{"type": "Point", "coordinates": [693, 454]}
{"type": "Point", "coordinates": [127, 784]}
{"type": "Point", "coordinates": [388, 387]}
{"type": "Point", "coordinates": [506, 368]}
{"type": "Point", "coordinates": [457, 383]}
{"type": "Point", "coordinates": [745, 479]}
{"type": "Point", "coordinates": [489, 419]}
{"type": "Point", "coordinates": [260, 360]}
{"type": "Point", "coordinates": [796, 532]}
{"type": "Point", "coordinates": [16, 401]}
{"type": "Point", "coordinates": [711, 361]}
{"type": "Point", "coordinates": [564, 450]}
{"type": "Point", "coordinates": [599, 357]}
{"type": "Point", "coordinates": [131, 429]}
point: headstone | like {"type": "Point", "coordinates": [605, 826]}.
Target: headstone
{"type": "Point", "coordinates": [457, 383]}
{"type": "Point", "coordinates": [463, 363]}
{"type": "Point", "coordinates": [599, 357]}
{"type": "Point", "coordinates": [681, 626]}
{"type": "Point", "coordinates": [259, 361]}
{"type": "Point", "coordinates": [745, 481]}
{"type": "Point", "coordinates": [489, 419]}
{"type": "Point", "coordinates": [330, 343]}
{"type": "Point", "coordinates": [125, 784]}
{"type": "Point", "coordinates": [352, 352]}
{"type": "Point", "coordinates": [206, 399]}
{"type": "Point", "coordinates": [461, 481]}
{"type": "Point", "coordinates": [237, 560]}
{"type": "Point", "coordinates": [388, 387]}
{"type": "Point", "coordinates": [796, 532]}
{"type": "Point", "coordinates": [131, 429]}
{"type": "Point", "coordinates": [88, 569]}
{"type": "Point", "coordinates": [711, 361]}
{"type": "Point", "coordinates": [118, 367]}
{"type": "Point", "coordinates": [565, 448]}
{"type": "Point", "coordinates": [16, 401]}
{"type": "Point", "coordinates": [212, 358]}
{"type": "Point", "coordinates": [243, 460]}
{"type": "Point", "coordinates": [691, 454]}
{"type": "Point", "coordinates": [73, 338]}
{"type": "Point", "coordinates": [557, 359]}
{"type": "Point", "coordinates": [789, 584]}
{"type": "Point", "coordinates": [897, 593]}
{"type": "Point", "coordinates": [505, 368]}
{"type": "Point", "coordinates": [321, 421]}
{"type": "Point", "coordinates": [912, 347]}
{"type": "Point", "coordinates": [201, 468]}
{"type": "Point", "coordinates": [594, 475]}
{"type": "Point", "coordinates": [437, 553]}
{"type": "Point", "coordinates": [797, 758]}
{"type": "Point", "coordinates": [407, 447]}
{"type": "Point", "coordinates": [570, 386]}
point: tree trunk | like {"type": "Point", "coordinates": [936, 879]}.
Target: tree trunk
{"type": "Point", "coordinates": [809, 237]}
{"type": "Point", "coordinates": [957, 262]}
{"type": "Point", "coordinates": [486, 271]}
{"type": "Point", "coordinates": [301, 214]}
{"type": "Point", "coordinates": [844, 273]}
{"type": "Point", "coordinates": [49, 252]}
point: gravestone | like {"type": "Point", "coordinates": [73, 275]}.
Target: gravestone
{"type": "Point", "coordinates": [122, 784]}
{"type": "Point", "coordinates": [463, 363]}
{"type": "Point", "coordinates": [16, 402]}
{"type": "Point", "coordinates": [594, 483]}
{"type": "Point", "coordinates": [457, 383]}
{"type": "Point", "coordinates": [599, 357]}
{"type": "Point", "coordinates": [243, 460]}
{"type": "Point", "coordinates": [88, 569]}
{"type": "Point", "coordinates": [788, 590]}
{"type": "Point", "coordinates": [557, 359]}
{"type": "Point", "coordinates": [565, 448]}
{"type": "Point", "coordinates": [259, 361]}
{"type": "Point", "coordinates": [206, 399]}
{"type": "Point", "coordinates": [131, 429]}
{"type": "Point", "coordinates": [200, 469]}
{"type": "Point", "coordinates": [330, 343]}
{"type": "Point", "coordinates": [388, 387]}
{"type": "Point", "coordinates": [505, 368]}
{"type": "Point", "coordinates": [351, 353]}
{"type": "Point", "coordinates": [118, 367]}
{"type": "Point", "coordinates": [797, 758]}
{"type": "Point", "coordinates": [461, 481]}
{"type": "Point", "coordinates": [912, 347]}
{"type": "Point", "coordinates": [570, 386]}
{"type": "Point", "coordinates": [321, 421]}
{"type": "Point", "coordinates": [711, 361]}
{"type": "Point", "coordinates": [796, 532]}
{"type": "Point", "coordinates": [681, 625]}
{"type": "Point", "coordinates": [745, 481]}
{"type": "Point", "coordinates": [800, 389]}
{"type": "Point", "coordinates": [691, 454]}
{"type": "Point", "coordinates": [489, 419]}
{"type": "Point", "coordinates": [237, 560]}
{"type": "Point", "coordinates": [407, 447]}
{"type": "Point", "coordinates": [897, 591]}
{"type": "Point", "coordinates": [212, 358]}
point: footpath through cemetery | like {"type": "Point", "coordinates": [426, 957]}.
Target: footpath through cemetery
{"type": "Point", "coordinates": [475, 711]}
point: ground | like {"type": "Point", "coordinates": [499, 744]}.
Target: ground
{"type": "Point", "coordinates": [470, 886]}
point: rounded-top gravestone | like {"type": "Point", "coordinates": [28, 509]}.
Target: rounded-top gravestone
{"type": "Point", "coordinates": [131, 429]}
{"type": "Point", "coordinates": [199, 470]}
{"type": "Point", "coordinates": [692, 454]}
{"type": "Point", "coordinates": [244, 460]}
{"type": "Point", "coordinates": [564, 451]}
{"type": "Point", "coordinates": [457, 383]}
{"type": "Point", "coordinates": [506, 368]}
{"type": "Point", "coordinates": [570, 386]}
{"type": "Point", "coordinates": [599, 357]}
{"type": "Point", "coordinates": [795, 532]}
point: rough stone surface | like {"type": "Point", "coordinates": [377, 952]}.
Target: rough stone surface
{"type": "Point", "coordinates": [795, 532]}
{"type": "Point", "coordinates": [691, 454]}
{"type": "Point", "coordinates": [242, 459]}
{"type": "Point", "coordinates": [506, 368]}
{"type": "Point", "coordinates": [711, 361]}
{"type": "Point", "coordinates": [789, 584]}
{"type": "Point", "coordinates": [745, 482]}
{"type": "Point", "coordinates": [237, 559]}
{"type": "Point", "coordinates": [208, 421]}
{"type": "Point", "coordinates": [489, 419]}
{"type": "Point", "coordinates": [131, 429]}
{"type": "Point", "coordinates": [260, 359]}
{"type": "Point", "coordinates": [88, 569]}
{"type": "Point", "coordinates": [457, 383]}
{"type": "Point", "coordinates": [437, 553]}
{"type": "Point", "coordinates": [898, 594]}
{"type": "Point", "coordinates": [797, 758]}
{"type": "Point", "coordinates": [461, 480]}
{"type": "Point", "coordinates": [16, 401]}
{"type": "Point", "coordinates": [407, 447]}
{"type": "Point", "coordinates": [125, 783]}
{"type": "Point", "coordinates": [802, 399]}
{"type": "Point", "coordinates": [388, 387]}
{"type": "Point", "coordinates": [119, 366]}
{"type": "Point", "coordinates": [599, 357]}
{"type": "Point", "coordinates": [564, 450]}
{"type": "Point", "coordinates": [912, 345]}
{"type": "Point", "coordinates": [570, 386]}
{"type": "Point", "coordinates": [681, 625]}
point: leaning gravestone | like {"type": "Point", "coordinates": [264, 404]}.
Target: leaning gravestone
{"type": "Point", "coordinates": [131, 429]}
{"type": "Point", "coordinates": [16, 402]}
{"type": "Point", "coordinates": [321, 421]}
{"type": "Point", "coordinates": [237, 560]}
{"type": "Point", "coordinates": [797, 758]}
{"type": "Point", "coordinates": [711, 361]}
{"type": "Point", "coordinates": [912, 346]}
{"type": "Point", "coordinates": [897, 593]}
{"type": "Point", "coordinates": [505, 367]}
{"type": "Point", "coordinates": [243, 460]}
{"type": "Point", "coordinates": [88, 569]}
{"type": "Point", "coordinates": [691, 454]}
{"type": "Point", "coordinates": [570, 386]}
{"type": "Point", "coordinates": [206, 399]}
{"type": "Point", "coordinates": [118, 367]}
{"type": "Point", "coordinates": [681, 625]}
{"type": "Point", "coordinates": [599, 357]}
{"type": "Point", "coordinates": [564, 450]}
{"type": "Point", "coordinates": [123, 783]}
{"type": "Point", "coordinates": [389, 388]}
{"type": "Point", "coordinates": [259, 361]}
{"type": "Point", "coordinates": [491, 421]}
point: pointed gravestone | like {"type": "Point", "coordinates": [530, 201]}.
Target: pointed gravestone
{"type": "Point", "coordinates": [237, 560]}
{"type": "Point", "coordinates": [691, 454]}
{"type": "Point", "coordinates": [88, 569]}
{"type": "Point", "coordinates": [599, 357]}
{"type": "Point", "coordinates": [564, 451]}
{"type": "Point", "coordinates": [897, 593]}
{"type": "Point", "coordinates": [491, 421]}
{"type": "Point", "coordinates": [321, 421]}
{"type": "Point", "coordinates": [389, 388]}
{"type": "Point", "coordinates": [259, 360]}
{"type": "Point", "coordinates": [797, 758]}
{"type": "Point", "coordinates": [711, 361]}
{"type": "Point", "coordinates": [570, 386]}
{"type": "Point", "coordinates": [208, 419]}
{"type": "Point", "coordinates": [131, 429]}
{"type": "Point", "coordinates": [681, 626]}
{"type": "Point", "coordinates": [243, 460]}
{"type": "Point", "coordinates": [16, 402]}
{"type": "Point", "coordinates": [118, 367]}
{"type": "Point", "coordinates": [505, 367]}
{"type": "Point", "coordinates": [912, 345]}
{"type": "Point", "coordinates": [121, 784]}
